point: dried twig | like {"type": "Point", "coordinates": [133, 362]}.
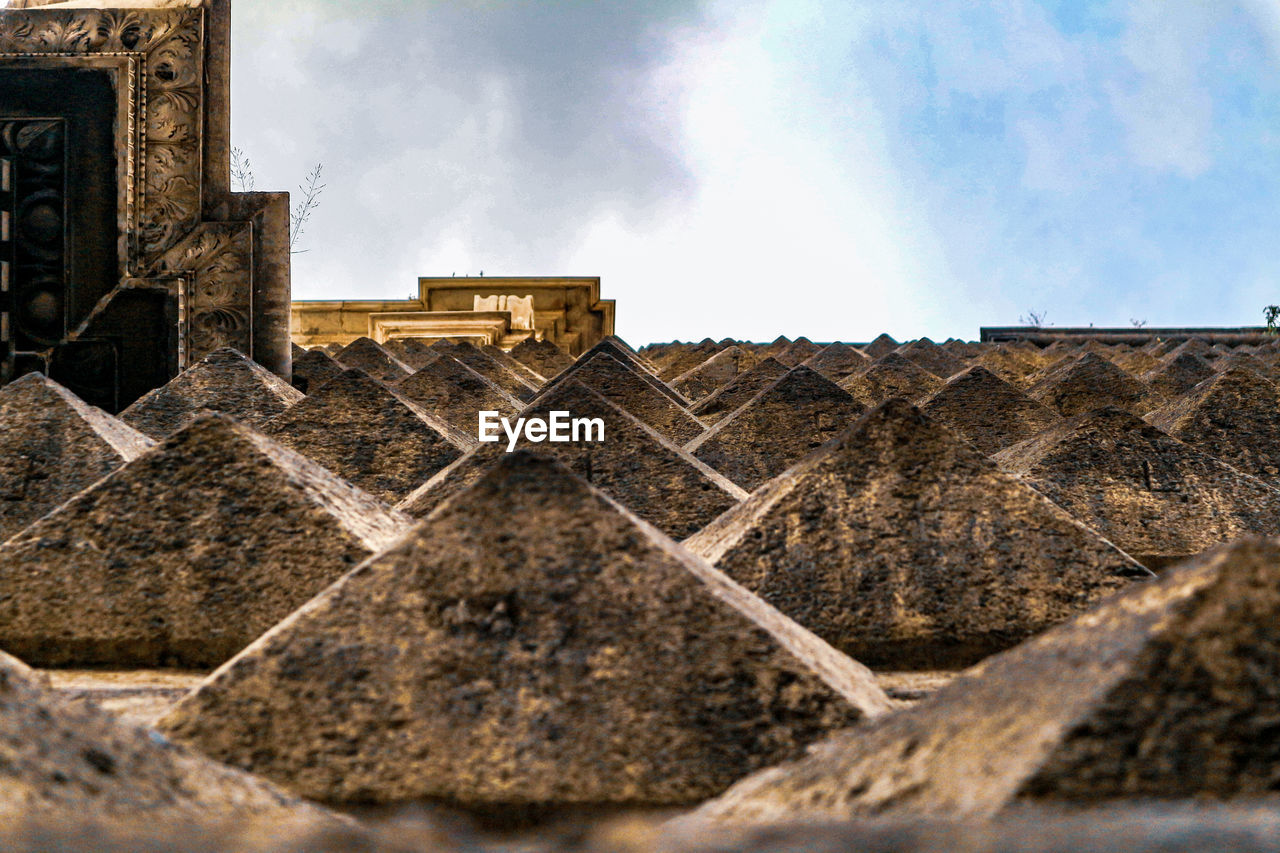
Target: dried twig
{"type": "Point", "coordinates": [241, 171]}
{"type": "Point", "coordinates": [302, 211]}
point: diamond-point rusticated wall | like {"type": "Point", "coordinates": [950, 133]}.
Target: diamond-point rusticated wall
{"type": "Point", "coordinates": [126, 257]}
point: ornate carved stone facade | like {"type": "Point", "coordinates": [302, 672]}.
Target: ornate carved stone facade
{"type": "Point", "coordinates": [127, 257]}
{"type": "Point", "coordinates": [500, 311]}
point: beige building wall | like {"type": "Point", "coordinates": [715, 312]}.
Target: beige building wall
{"type": "Point", "coordinates": [568, 311]}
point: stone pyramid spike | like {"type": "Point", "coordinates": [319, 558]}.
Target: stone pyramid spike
{"type": "Point", "coordinates": [1086, 383]}
{"type": "Point", "coordinates": [368, 433]}
{"type": "Point", "coordinates": [702, 381]}
{"type": "Point", "coordinates": [728, 398]}
{"type": "Point", "coordinates": [1011, 364]}
{"type": "Point", "coordinates": [1195, 346]}
{"type": "Point", "coordinates": [775, 347]}
{"type": "Point", "coordinates": [838, 362]}
{"type": "Point", "coordinates": [76, 762]}
{"type": "Point", "coordinates": [52, 445]}
{"type": "Point", "coordinates": [634, 465]}
{"type": "Point", "coordinates": [296, 351]}
{"type": "Point", "coordinates": [623, 386]}
{"type": "Point", "coordinates": [1155, 497]}
{"type": "Point", "coordinates": [679, 361]}
{"type": "Point", "coordinates": [1235, 416]}
{"type": "Point", "coordinates": [413, 352]}
{"type": "Point", "coordinates": [963, 350]}
{"type": "Point", "coordinates": [313, 369]}
{"type": "Point", "coordinates": [881, 346]}
{"type": "Point", "coordinates": [618, 350]}
{"type": "Point", "coordinates": [776, 428]}
{"type": "Point", "coordinates": [983, 408]}
{"type": "Point", "coordinates": [1059, 348]}
{"type": "Point", "coordinates": [449, 390]}
{"type": "Point", "coordinates": [932, 358]}
{"type": "Point", "coordinates": [223, 381]}
{"type": "Point", "coordinates": [1174, 377]}
{"type": "Point", "coordinates": [537, 380]}
{"type": "Point", "coordinates": [906, 548]}
{"type": "Point", "coordinates": [1245, 361]}
{"type": "Point", "coordinates": [184, 555]}
{"type": "Point", "coordinates": [1165, 691]}
{"type": "Point", "coordinates": [623, 352]}
{"type": "Point", "coordinates": [1135, 361]}
{"type": "Point", "coordinates": [891, 376]}
{"type": "Point", "coordinates": [486, 366]}
{"type": "Point", "coordinates": [615, 341]}
{"type": "Point", "coordinates": [397, 349]}
{"type": "Point", "coordinates": [798, 351]}
{"type": "Point", "coordinates": [373, 358]}
{"type": "Point", "coordinates": [529, 642]}
{"type": "Point", "coordinates": [626, 357]}
{"type": "Point", "coordinates": [543, 356]}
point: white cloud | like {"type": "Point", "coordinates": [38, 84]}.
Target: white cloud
{"type": "Point", "coordinates": [1166, 110]}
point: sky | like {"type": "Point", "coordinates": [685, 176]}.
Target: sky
{"type": "Point", "coordinates": [750, 168]}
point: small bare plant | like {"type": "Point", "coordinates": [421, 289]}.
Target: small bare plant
{"type": "Point", "coordinates": [242, 180]}
{"type": "Point", "coordinates": [241, 171]}
{"type": "Point", "coordinates": [303, 209]}
{"type": "Point", "coordinates": [1272, 314]}
{"type": "Point", "coordinates": [1034, 319]}
{"type": "Point", "coordinates": [1137, 324]}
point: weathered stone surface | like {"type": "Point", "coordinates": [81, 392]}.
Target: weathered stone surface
{"type": "Point", "coordinates": [1168, 690]}
{"type": "Point", "coordinates": [1195, 346]}
{"type": "Point", "coordinates": [542, 356]}
{"type": "Point", "coordinates": [634, 465]}
{"type": "Point", "coordinates": [1012, 364]}
{"type": "Point", "coordinates": [738, 391]}
{"type": "Point", "coordinates": [488, 367]}
{"type": "Point", "coordinates": [313, 369]}
{"type": "Point", "coordinates": [798, 351]}
{"type": "Point", "coordinates": [932, 358]}
{"type": "Point", "coordinates": [891, 376]}
{"type": "Point", "coordinates": [963, 350]}
{"type": "Point", "coordinates": [838, 362]}
{"type": "Point", "coordinates": [223, 381]}
{"type": "Point", "coordinates": [1175, 376]}
{"type": "Point", "coordinates": [410, 358]}
{"type": "Point", "coordinates": [531, 642]}
{"type": "Point", "coordinates": [1245, 361]}
{"type": "Point", "coordinates": [370, 434]}
{"type": "Point", "coordinates": [1234, 416]}
{"type": "Point", "coordinates": [881, 346]}
{"type": "Point", "coordinates": [1086, 383]}
{"type": "Point", "coordinates": [373, 358]}
{"type": "Point", "coordinates": [618, 350]}
{"type": "Point", "coordinates": [1135, 362]}
{"type": "Point", "coordinates": [68, 762]}
{"type": "Point", "coordinates": [991, 413]}
{"type": "Point", "coordinates": [448, 389]}
{"type": "Point", "coordinates": [1150, 494]}
{"type": "Point", "coordinates": [717, 371]}
{"type": "Point", "coordinates": [775, 347]}
{"type": "Point", "coordinates": [534, 378]}
{"type": "Point", "coordinates": [679, 360]}
{"type": "Point", "coordinates": [776, 428]}
{"type": "Point", "coordinates": [625, 387]}
{"type": "Point", "coordinates": [184, 555]}
{"type": "Point", "coordinates": [906, 548]}
{"type": "Point", "coordinates": [52, 445]}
